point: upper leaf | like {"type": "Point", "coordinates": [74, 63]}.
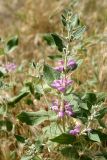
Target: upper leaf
{"type": "Point", "coordinates": [58, 41]}
{"type": "Point", "coordinates": [11, 44]}
{"type": "Point", "coordinates": [78, 33]}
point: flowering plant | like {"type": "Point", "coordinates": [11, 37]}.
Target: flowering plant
{"type": "Point", "coordinates": [74, 119]}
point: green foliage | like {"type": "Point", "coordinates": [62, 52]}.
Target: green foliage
{"type": "Point", "coordinates": [52, 130]}
{"type": "Point", "coordinates": [78, 33]}
{"type": "Point", "coordinates": [2, 72]}
{"type": "Point", "coordinates": [11, 45]}
{"type": "Point", "coordinates": [48, 38]}
{"type": "Point", "coordinates": [50, 74]}
{"type": "Point", "coordinates": [54, 40]}
{"type": "Point", "coordinates": [33, 118]}
{"type": "Point", "coordinates": [36, 118]}
{"type": "Point", "coordinates": [94, 137]}
{"type": "Point", "coordinates": [20, 138]}
{"type": "Point", "coordinates": [97, 136]}
{"type": "Point", "coordinates": [58, 41]}
{"type": "Point", "coordinates": [16, 99]}
{"type": "Point", "coordinates": [69, 152]}
{"type": "Point", "coordinates": [6, 125]}
{"type": "Point", "coordinates": [64, 139]}
{"type": "Point", "coordinates": [9, 125]}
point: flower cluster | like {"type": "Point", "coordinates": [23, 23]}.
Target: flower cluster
{"type": "Point", "coordinates": [61, 84]}
{"type": "Point", "coordinates": [71, 65]}
{"type": "Point", "coordinates": [10, 67]}
{"type": "Point", "coordinates": [62, 111]}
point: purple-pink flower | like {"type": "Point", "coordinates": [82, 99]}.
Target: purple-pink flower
{"type": "Point", "coordinates": [61, 84]}
{"type": "Point", "coordinates": [61, 114]}
{"type": "Point", "coordinates": [75, 131]}
{"type": "Point", "coordinates": [67, 108]}
{"type": "Point", "coordinates": [60, 66]}
{"type": "Point", "coordinates": [71, 65]}
{"type": "Point", "coordinates": [55, 105]}
{"type": "Point", "coordinates": [10, 67]}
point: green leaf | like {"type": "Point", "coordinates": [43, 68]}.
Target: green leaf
{"type": "Point", "coordinates": [58, 41]}
{"type": "Point", "coordinates": [90, 99]}
{"type": "Point", "coordinates": [94, 137]}
{"type": "Point", "coordinates": [50, 74]}
{"type": "Point", "coordinates": [48, 38]}
{"type": "Point", "coordinates": [101, 97]}
{"type": "Point", "coordinates": [101, 123]}
{"type": "Point", "coordinates": [9, 125]}
{"type": "Point", "coordinates": [52, 130]}
{"type": "Point", "coordinates": [74, 21]}
{"type": "Point", "coordinates": [63, 20]}
{"type": "Point", "coordinates": [69, 152]}
{"type": "Point", "coordinates": [78, 33]}
{"type": "Point", "coordinates": [33, 118]}
{"type": "Point", "coordinates": [84, 106]}
{"type": "Point", "coordinates": [11, 44]}
{"type": "Point", "coordinates": [6, 123]}
{"type": "Point", "coordinates": [20, 138]}
{"type": "Point", "coordinates": [64, 139]}
{"type": "Point", "coordinates": [101, 113]}
{"type": "Point", "coordinates": [16, 99]}
{"type": "Point", "coordinates": [2, 71]}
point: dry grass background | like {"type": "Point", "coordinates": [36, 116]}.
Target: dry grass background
{"type": "Point", "coordinates": [30, 19]}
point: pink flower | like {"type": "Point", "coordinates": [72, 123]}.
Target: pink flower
{"type": "Point", "coordinates": [75, 131]}
{"type": "Point", "coordinates": [54, 106]}
{"type": "Point", "coordinates": [61, 114]}
{"type": "Point", "coordinates": [60, 66]}
{"type": "Point", "coordinates": [10, 67]}
{"type": "Point", "coordinates": [71, 65]}
{"type": "Point", "coordinates": [61, 84]}
{"type": "Point", "coordinates": [67, 109]}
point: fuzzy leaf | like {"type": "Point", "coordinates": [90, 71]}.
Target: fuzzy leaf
{"type": "Point", "coordinates": [50, 74]}
{"type": "Point", "coordinates": [79, 32]}
{"type": "Point", "coordinates": [16, 99]}
{"type": "Point", "coordinates": [94, 137]}
{"type": "Point", "coordinates": [33, 118]}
